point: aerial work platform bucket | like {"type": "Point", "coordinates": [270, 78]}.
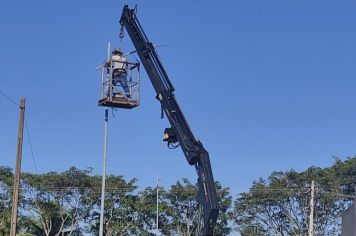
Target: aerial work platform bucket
{"type": "Point", "coordinates": [120, 83]}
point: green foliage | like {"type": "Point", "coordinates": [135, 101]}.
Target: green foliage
{"type": "Point", "coordinates": [57, 201]}
{"type": "Point", "coordinates": [280, 204]}
{"type": "Point", "coordinates": [6, 181]}
{"type": "Point", "coordinates": [224, 202]}
{"type": "Point", "coordinates": [120, 207]}
{"type": "Point", "coordinates": [345, 172]}
{"type": "Point", "coordinates": [183, 210]}
{"type": "Point", "coordinates": [68, 203]}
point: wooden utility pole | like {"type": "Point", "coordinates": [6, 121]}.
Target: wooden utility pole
{"type": "Point", "coordinates": [311, 216]}
{"type": "Point", "coordinates": [15, 196]}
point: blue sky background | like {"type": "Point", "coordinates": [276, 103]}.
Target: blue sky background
{"type": "Point", "coordinates": [266, 85]}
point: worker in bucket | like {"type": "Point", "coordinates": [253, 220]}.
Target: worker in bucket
{"type": "Point", "coordinates": [119, 72]}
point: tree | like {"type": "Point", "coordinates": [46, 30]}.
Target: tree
{"type": "Point", "coordinates": [30, 226]}
{"type": "Point", "coordinates": [183, 210]}
{"type": "Point", "coordinates": [147, 207]}
{"type": "Point", "coordinates": [179, 210]}
{"type": "Point", "coordinates": [280, 204]}
{"type": "Point", "coordinates": [6, 181]}
{"type": "Point", "coordinates": [120, 216]}
{"type": "Point", "coordinates": [345, 172]}
{"type": "Point", "coordinates": [58, 202]}
{"type": "Point", "coordinates": [68, 203]}
{"type": "Point", "coordinates": [225, 211]}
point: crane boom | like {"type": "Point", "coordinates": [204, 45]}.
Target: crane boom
{"type": "Point", "coordinates": [180, 132]}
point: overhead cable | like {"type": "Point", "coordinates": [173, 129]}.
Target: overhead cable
{"type": "Point", "coordinates": [8, 97]}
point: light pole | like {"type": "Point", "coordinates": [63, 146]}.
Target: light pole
{"type": "Point", "coordinates": [101, 228]}
{"type": "Point", "coordinates": [157, 203]}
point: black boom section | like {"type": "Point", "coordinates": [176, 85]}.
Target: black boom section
{"type": "Point", "coordinates": [192, 148]}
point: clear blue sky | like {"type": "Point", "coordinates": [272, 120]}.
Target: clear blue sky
{"type": "Point", "coordinates": [266, 85]}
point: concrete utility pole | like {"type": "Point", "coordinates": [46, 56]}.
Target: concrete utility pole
{"type": "Point", "coordinates": [105, 153]}
{"type": "Point", "coordinates": [312, 203]}
{"type": "Point", "coordinates": [101, 228]}
{"type": "Point", "coordinates": [15, 196]}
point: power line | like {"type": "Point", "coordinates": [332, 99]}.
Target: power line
{"type": "Point", "coordinates": [27, 131]}
{"type": "Point", "coordinates": [73, 189]}
{"type": "Point", "coordinates": [8, 97]}
{"type": "Point", "coordinates": [29, 141]}
{"type": "Point", "coordinates": [278, 190]}
{"type": "Point", "coordinates": [77, 188]}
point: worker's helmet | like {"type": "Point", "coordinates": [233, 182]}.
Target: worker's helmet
{"type": "Point", "coordinates": [117, 51]}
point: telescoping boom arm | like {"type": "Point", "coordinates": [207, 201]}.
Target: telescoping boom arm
{"type": "Point", "coordinates": [180, 132]}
